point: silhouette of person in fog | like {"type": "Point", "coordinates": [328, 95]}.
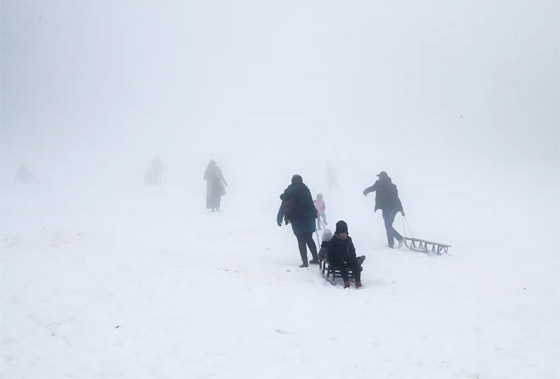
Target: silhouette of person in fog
{"type": "Point", "coordinates": [154, 173]}
{"type": "Point", "coordinates": [331, 176]}
{"type": "Point", "coordinates": [23, 175]}
{"type": "Point", "coordinates": [215, 186]}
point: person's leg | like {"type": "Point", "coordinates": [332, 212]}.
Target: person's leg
{"type": "Point", "coordinates": [356, 269]}
{"type": "Point", "coordinates": [312, 247]}
{"type": "Point", "coordinates": [323, 218]}
{"type": "Point", "coordinates": [389, 218]}
{"type": "Point", "coordinates": [302, 250]}
{"type": "Point", "coordinates": [393, 230]}
{"type": "Point", "coordinates": [388, 225]}
{"type": "Point", "coordinates": [344, 273]}
{"type": "Point", "coordinates": [322, 253]}
{"type": "Point", "coordinates": [216, 193]}
{"type": "Point", "coordinates": [339, 264]}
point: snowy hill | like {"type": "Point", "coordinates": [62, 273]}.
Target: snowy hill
{"type": "Point", "coordinates": [101, 277]}
{"type": "Point", "coordinates": [151, 285]}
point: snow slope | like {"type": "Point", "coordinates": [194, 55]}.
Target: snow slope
{"type": "Point", "coordinates": [102, 278]}
{"type": "Point", "coordinates": [151, 285]}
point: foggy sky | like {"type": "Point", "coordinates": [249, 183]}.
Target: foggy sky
{"type": "Point", "coordinates": [97, 89]}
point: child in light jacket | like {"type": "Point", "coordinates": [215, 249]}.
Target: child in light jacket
{"type": "Point", "coordinates": [320, 206]}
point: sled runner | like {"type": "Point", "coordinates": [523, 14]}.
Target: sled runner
{"type": "Point", "coordinates": [426, 246]}
{"type": "Point", "coordinates": [330, 273]}
{"type": "Point", "coordinates": [420, 245]}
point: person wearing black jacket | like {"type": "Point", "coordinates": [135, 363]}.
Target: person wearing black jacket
{"type": "Point", "coordinates": [297, 208]}
{"type": "Point", "coordinates": [341, 254]}
{"type": "Point", "coordinates": [387, 199]}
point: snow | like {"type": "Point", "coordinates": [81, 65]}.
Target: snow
{"type": "Point", "coordinates": [101, 277]}
{"type": "Point", "coordinates": [152, 285]}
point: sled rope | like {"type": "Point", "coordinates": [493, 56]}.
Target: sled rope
{"type": "Point", "coordinates": [317, 233]}
{"type": "Point", "coordinates": [404, 227]}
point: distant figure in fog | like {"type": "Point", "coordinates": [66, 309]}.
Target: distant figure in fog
{"type": "Point", "coordinates": [387, 199]}
{"type": "Point", "coordinates": [298, 209]}
{"type": "Point", "coordinates": [23, 175]}
{"type": "Point", "coordinates": [215, 186]}
{"type": "Point", "coordinates": [154, 173]}
{"type": "Point", "coordinates": [331, 176]}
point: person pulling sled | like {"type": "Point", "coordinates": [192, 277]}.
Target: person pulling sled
{"type": "Point", "coordinates": [387, 199]}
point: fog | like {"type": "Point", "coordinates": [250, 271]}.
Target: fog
{"type": "Point", "coordinates": [457, 101]}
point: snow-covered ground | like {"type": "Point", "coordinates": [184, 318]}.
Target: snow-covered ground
{"type": "Point", "coordinates": [151, 285]}
{"type": "Point", "coordinates": [103, 278]}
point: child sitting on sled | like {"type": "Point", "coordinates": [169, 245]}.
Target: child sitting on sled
{"type": "Point", "coordinates": [341, 255]}
{"type": "Point", "coordinates": [327, 236]}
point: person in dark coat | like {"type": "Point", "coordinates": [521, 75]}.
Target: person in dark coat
{"type": "Point", "coordinates": [341, 254]}
{"type": "Point", "coordinates": [387, 199]}
{"type": "Point", "coordinates": [298, 209]}
{"type": "Point", "coordinates": [215, 186]}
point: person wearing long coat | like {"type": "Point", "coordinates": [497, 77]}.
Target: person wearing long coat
{"type": "Point", "coordinates": [387, 199]}
{"type": "Point", "coordinates": [302, 217]}
{"type": "Point", "coordinates": [215, 186]}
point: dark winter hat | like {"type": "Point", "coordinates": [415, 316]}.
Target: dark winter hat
{"type": "Point", "coordinates": [383, 175]}
{"type": "Point", "coordinates": [341, 227]}
{"type": "Point", "coordinates": [297, 179]}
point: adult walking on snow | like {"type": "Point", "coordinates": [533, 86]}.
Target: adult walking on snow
{"type": "Point", "coordinates": [387, 199]}
{"type": "Point", "coordinates": [215, 186]}
{"type": "Point", "coordinates": [298, 209]}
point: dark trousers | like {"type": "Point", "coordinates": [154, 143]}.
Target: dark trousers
{"type": "Point", "coordinates": [306, 240]}
{"type": "Point", "coordinates": [344, 265]}
{"type": "Point", "coordinates": [389, 218]}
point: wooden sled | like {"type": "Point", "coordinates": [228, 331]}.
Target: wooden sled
{"type": "Point", "coordinates": [331, 274]}
{"type": "Point", "coordinates": [426, 246]}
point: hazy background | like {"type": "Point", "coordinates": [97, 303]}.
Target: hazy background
{"type": "Point", "coordinates": [458, 101]}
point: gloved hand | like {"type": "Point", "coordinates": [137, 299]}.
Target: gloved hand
{"type": "Point", "coordinates": [279, 224]}
{"type": "Point", "coordinates": [365, 193]}
{"type": "Point", "coordinates": [402, 213]}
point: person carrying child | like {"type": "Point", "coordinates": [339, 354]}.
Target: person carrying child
{"type": "Point", "coordinates": [320, 206]}
{"type": "Point", "coordinates": [341, 255]}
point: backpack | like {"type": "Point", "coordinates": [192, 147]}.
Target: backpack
{"type": "Point", "coordinates": [291, 208]}
{"type": "Point", "coordinates": [293, 202]}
